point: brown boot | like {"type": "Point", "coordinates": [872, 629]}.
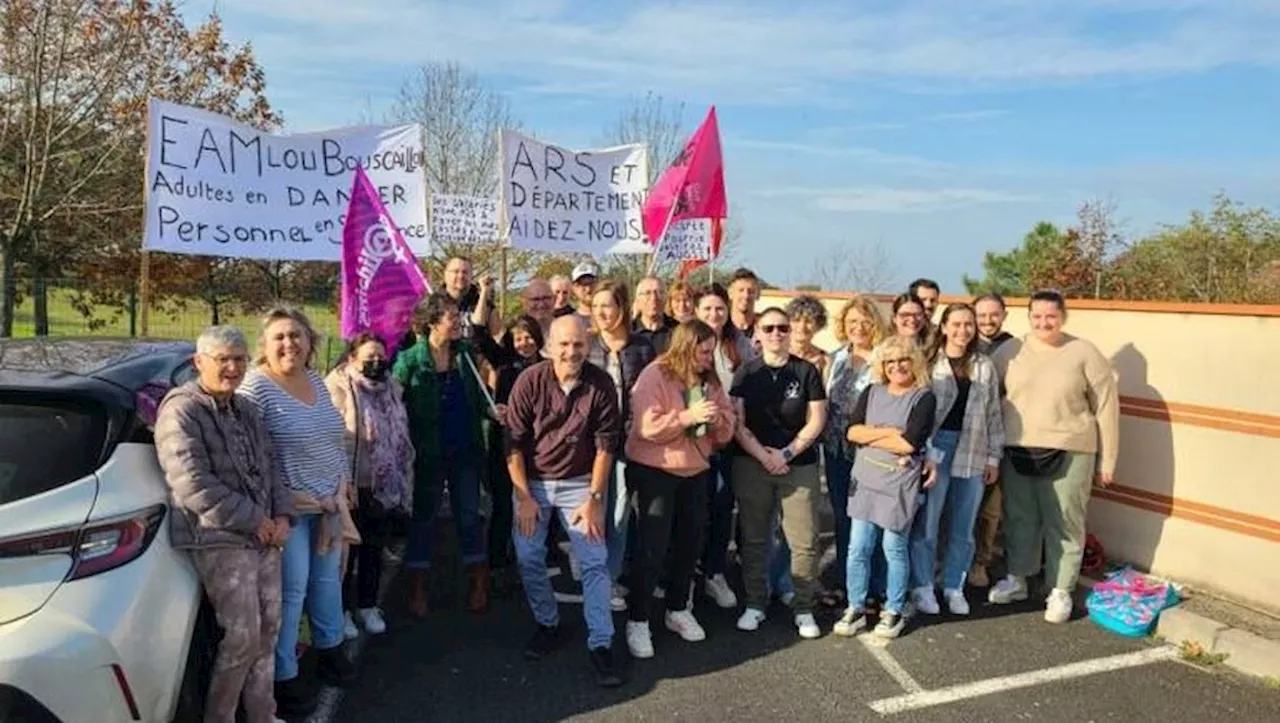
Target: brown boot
{"type": "Point", "coordinates": [478, 588]}
{"type": "Point", "coordinates": [418, 606]}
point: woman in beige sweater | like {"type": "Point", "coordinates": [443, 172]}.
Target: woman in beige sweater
{"type": "Point", "coordinates": [682, 415]}
{"type": "Point", "coordinates": [1062, 433]}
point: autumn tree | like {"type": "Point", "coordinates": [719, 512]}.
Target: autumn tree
{"type": "Point", "coordinates": [75, 77]}
{"type": "Point", "coordinates": [1047, 258]}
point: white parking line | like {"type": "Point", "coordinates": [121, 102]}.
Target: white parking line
{"type": "Point", "coordinates": [891, 666]}
{"type": "Point", "coordinates": [956, 693]}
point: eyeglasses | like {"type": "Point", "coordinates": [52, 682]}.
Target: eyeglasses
{"type": "Point", "coordinates": [542, 299]}
{"type": "Point", "coordinates": [779, 328]}
{"type": "Point", "coordinates": [225, 360]}
{"type": "Point", "coordinates": [894, 362]}
{"type": "Point", "coordinates": [904, 315]}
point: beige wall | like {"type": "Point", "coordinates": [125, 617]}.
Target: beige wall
{"type": "Point", "coordinates": [1196, 497]}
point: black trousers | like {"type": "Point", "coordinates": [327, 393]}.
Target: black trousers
{"type": "Point", "coordinates": [671, 514]}
{"type": "Point", "coordinates": [364, 565]}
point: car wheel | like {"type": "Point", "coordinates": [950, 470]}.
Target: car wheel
{"type": "Point", "coordinates": [198, 668]}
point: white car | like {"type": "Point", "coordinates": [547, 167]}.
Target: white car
{"type": "Point", "coordinates": [100, 619]}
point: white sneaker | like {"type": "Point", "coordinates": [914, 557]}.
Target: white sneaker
{"type": "Point", "coordinates": [718, 590]}
{"type": "Point", "coordinates": [890, 626]}
{"type": "Point", "coordinates": [808, 627]}
{"type": "Point", "coordinates": [851, 623]}
{"type": "Point", "coordinates": [956, 602]}
{"type": "Point", "coordinates": [618, 600]}
{"type": "Point", "coordinates": [684, 624]}
{"type": "Point", "coordinates": [1011, 588]}
{"type": "Point", "coordinates": [1057, 608]}
{"type": "Point", "coordinates": [751, 619]}
{"type": "Point", "coordinates": [639, 641]}
{"type": "Point", "coordinates": [372, 621]}
{"type": "Point", "coordinates": [925, 600]}
{"type": "Point", "coordinates": [349, 629]}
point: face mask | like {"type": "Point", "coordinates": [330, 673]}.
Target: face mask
{"type": "Point", "coordinates": [374, 370]}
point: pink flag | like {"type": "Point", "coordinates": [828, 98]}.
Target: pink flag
{"type": "Point", "coordinates": [692, 187]}
{"type": "Point", "coordinates": [381, 281]}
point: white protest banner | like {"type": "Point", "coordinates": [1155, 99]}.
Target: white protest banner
{"type": "Point", "coordinates": [566, 201]}
{"type": "Point", "coordinates": [687, 240]}
{"type": "Point", "coordinates": [216, 187]}
{"type": "Point", "coordinates": [463, 219]}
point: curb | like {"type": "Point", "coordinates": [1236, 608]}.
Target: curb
{"type": "Point", "coordinates": [1237, 649]}
{"type": "Point", "coordinates": [1241, 650]}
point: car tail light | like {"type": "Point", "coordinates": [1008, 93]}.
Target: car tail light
{"type": "Point", "coordinates": [97, 547]}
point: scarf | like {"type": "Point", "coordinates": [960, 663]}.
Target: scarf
{"type": "Point", "coordinates": [383, 441]}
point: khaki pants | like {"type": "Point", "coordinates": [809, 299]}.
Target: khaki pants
{"type": "Point", "coordinates": [244, 588]}
{"type": "Point", "coordinates": [761, 495]}
{"type": "Point", "coordinates": [1048, 513]}
{"type": "Point", "coordinates": [988, 524]}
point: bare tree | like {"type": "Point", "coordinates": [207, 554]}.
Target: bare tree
{"type": "Point", "coordinates": [651, 121]}
{"type": "Point", "coordinates": [460, 119]}
{"type": "Point", "coordinates": [845, 267]}
{"type": "Point", "coordinates": [1099, 237]}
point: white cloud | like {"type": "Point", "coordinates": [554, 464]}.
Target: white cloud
{"type": "Point", "coordinates": [880, 199]}
{"type": "Point", "coordinates": [754, 52]}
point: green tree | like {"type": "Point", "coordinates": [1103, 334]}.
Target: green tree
{"type": "Point", "coordinates": [1047, 258]}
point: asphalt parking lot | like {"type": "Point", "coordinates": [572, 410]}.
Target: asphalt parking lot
{"type": "Point", "coordinates": [1001, 664]}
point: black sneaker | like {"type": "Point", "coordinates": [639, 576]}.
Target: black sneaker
{"type": "Point", "coordinates": [606, 672]}
{"type": "Point", "coordinates": [294, 698]}
{"type": "Point", "coordinates": [544, 640]}
{"type": "Point", "coordinates": [334, 668]}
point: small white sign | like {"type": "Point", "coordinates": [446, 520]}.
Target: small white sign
{"type": "Point", "coordinates": [463, 219]}
{"type": "Point", "coordinates": [687, 240]}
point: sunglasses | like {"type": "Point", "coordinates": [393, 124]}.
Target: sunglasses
{"type": "Point", "coordinates": [771, 328]}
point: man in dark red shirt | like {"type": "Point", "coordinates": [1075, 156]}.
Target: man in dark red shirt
{"type": "Point", "coordinates": [563, 425]}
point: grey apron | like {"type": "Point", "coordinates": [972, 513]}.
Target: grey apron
{"type": "Point", "coordinates": [885, 492]}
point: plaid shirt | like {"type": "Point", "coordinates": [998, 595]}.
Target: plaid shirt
{"type": "Point", "coordinates": [981, 440]}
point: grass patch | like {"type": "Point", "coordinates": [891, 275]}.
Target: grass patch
{"type": "Point", "coordinates": [1194, 653]}
{"type": "Point", "coordinates": [65, 320]}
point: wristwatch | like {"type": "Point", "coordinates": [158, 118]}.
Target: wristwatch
{"type": "Point", "coordinates": [598, 496]}
{"type": "Point", "coordinates": [787, 454]}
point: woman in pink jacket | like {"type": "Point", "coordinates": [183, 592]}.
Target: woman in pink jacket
{"type": "Point", "coordinates": [682, 415]}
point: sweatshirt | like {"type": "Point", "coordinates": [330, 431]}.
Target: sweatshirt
{"type": "Point", "coordinates": [1061, 397]}
{"type": "Point", "coordinates": [659, 440]}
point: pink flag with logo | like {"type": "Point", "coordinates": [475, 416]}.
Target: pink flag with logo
{"type": "Point", "coordinates": [692, 187]}
{"type": "Point", "coordinates": [381, 281]}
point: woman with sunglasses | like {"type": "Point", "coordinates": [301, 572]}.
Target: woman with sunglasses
{"type": "Point", "coordinates": [891, 425]}
{"type": "Point", "coordinates": [782, 404]}
{"type": "Point", "coordinates": [968, 440]}
{"type": "Point", "coordinates": [1062, 431]}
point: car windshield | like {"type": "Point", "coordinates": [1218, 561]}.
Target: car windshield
{"type": "Point", "coordinates": [46, 444]}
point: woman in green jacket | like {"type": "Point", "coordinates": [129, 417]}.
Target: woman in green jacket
{"type": "Point", "coordinates": [447, 409]}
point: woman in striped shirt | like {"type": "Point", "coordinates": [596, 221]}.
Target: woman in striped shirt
{"type": "Point", "coordinates": [307, 434]}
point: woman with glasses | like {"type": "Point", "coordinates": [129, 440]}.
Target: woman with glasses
{"type": "Point", "coordinates": [891, 425]}
{"type": "Point", "coordinates": [911, 321]}
{"type": "Point", "coordinates": [782, 404]}
{"type": "Point", "coordinates": [859, 328]}
{"type": "Point", "coordinates": [968, 441]}
{"type": "Point", "coordinates": [1062, 434]}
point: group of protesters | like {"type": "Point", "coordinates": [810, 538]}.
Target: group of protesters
{"type": "Point", "coordinates": [660, 437]}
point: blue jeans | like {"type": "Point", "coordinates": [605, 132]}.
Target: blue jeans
{"type": "Point", "coordinates": [562, 498]}
{"type": "Point", "coordinates": [863, 537]}
{"type": "Point", "coordinates": [464, 499]}
{"type": "Point", "coordinates": [307, 576]}
{"type": "Point", "coordinates": [959, 498]}
{"type": "Point", "coordinates": [720, 515]}
{"type": "Point", "coordinates": [617, 520]}
{"type": "Point", "coordinates": [839, 469]}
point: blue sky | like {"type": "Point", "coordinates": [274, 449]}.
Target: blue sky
{"type": "Point", "coordinates": [935, 129]}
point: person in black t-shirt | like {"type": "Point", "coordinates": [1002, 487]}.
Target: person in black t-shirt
{"type": "Point", "coordinates": [782, 404]}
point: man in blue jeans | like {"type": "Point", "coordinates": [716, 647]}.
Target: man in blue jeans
{"type": "Point", "coordinates": [563, 426]}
